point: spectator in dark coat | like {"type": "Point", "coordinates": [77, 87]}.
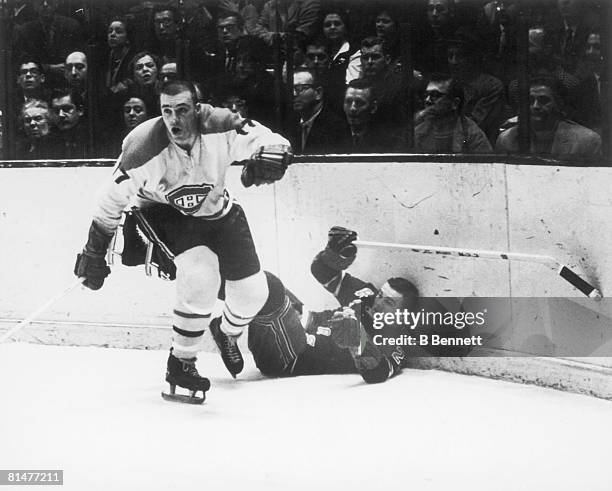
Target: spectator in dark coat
{"type": "Point", "coordinates": [144, 70]}
{"type": "Point", "coordinates": [37, 140]}
{"type": "Point", "coordinates": [484, 98]}
{"type": "Point", "coordinates": [319, 128]}
{"type": "Point", "coordinates": [68, 108]}
{"type": "Point", "coordinates": [31, 80]}
{"type": "Point", "coordinates": [551, 134]}
{"type": "Point", "coordinates": [366, 132]}
{"type": "Point", "coordinates": [49, 38]}
{"type": "Point", "coordinates": [298, 16]}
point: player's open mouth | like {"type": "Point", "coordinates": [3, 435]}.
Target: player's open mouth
{"type": "Point", "coordinates": [175, 131]}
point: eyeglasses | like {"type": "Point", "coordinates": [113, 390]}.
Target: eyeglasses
{"type": "Point", "coordinates": [300, 88]}
{"type": "Point", "coordinates": [33, 71]}
{"type": "Point", "coordinates": [434, 95]}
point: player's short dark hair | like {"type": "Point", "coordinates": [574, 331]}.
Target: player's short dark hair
{"type": "Point", "coordinates": [405, 288]}
{"type": "Point", "coordinates": [175, 87]}
{"type": "Point", "coordinates": [75, 97]}
{"type": "Point", "coordinates": [363, 84]}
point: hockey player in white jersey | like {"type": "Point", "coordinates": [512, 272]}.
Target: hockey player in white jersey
{"type": "Point", "coordinates": [174, 171]}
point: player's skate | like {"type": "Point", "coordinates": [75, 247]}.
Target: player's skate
{"type": "Point", "coordinates": [183, 372]}
{"type": "Point", "coordinates": [228, 346]}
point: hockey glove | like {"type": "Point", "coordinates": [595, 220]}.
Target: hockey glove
{"type": "Point", "coordinates": [345, 329]}
{"type": "Point", "coordinates": [91, 263]}
{"type": "Point", "coordinates": [340, 240]}
{"type": "Point", "coordinates": [267, 165]}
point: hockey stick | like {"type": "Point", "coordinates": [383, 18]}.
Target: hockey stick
{"type": "Point", "coordinates": [44, 307]}
{"type": "Point", "coordinates": [563, 271]}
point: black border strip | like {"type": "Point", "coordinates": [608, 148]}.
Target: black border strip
{"type": "Point", "coordinates": [357, 158]}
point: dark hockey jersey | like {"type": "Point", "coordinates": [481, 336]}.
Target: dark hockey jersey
{"type": "Point", "coordinates": [359, 295]}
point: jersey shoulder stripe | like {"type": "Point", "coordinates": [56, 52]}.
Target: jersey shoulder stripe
{"type": "Point", "coordinates": [143, 143]}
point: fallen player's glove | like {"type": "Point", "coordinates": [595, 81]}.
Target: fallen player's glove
{"type": "Point", "coordinates": [340, 240]}
{"type": "Point", "coordinates": [220, 120]}
{"type": "Point", "coordinates": [345, 328]}
{"type": "Point", "coordinates": [267, 165]}
{"type": "Point", "coordinates": [91, 263]}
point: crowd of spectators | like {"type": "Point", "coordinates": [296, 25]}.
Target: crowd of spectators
{"type": "Point", "coordinates": [341, 76]}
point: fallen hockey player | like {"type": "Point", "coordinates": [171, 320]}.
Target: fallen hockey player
{"type": "Point", "coordinates": [173, 167]}
{"type": "Point", "coordinates": [337, 341]}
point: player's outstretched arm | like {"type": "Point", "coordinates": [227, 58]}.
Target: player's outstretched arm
{"type": "Point", "coordinates": [266, 165]}
{"type": "Point", "coordinates": [338, 255]}
{"type": "Point", "coordinates": [220, 120]}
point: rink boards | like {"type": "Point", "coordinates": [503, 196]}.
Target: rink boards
{"type": "Point", "coordinates": [558, 211]}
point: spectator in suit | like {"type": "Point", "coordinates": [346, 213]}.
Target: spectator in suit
{"type": "Point", "coordinates": [49, 38]}
{"type": "Point", "coordinates": [430, 41]}
{"type": "Point", "coordinates": [387, 79]}
{"type": "Point", "coordinates": [366, 132]}
{"type": "Point", "coordinates": [167, 72]}
{"type": "Point", "coordinates": [68, 108]}
{"type": "Point", "coordinates": [484, 100]}
{"type": "Point", "coordinates": [550, 132]}
{"type": "Point", "coordinates": [37, 140]}
{"type": "Point", "coordinates": [31, 80]}
{"type": "Point", "coordinates": [319, 127]}
{"type": "Point", "coordinates": [301, 17]}
{"type": "Point", "coordinates": [571, 31]}
{"type": "Point", "coordinates": [440, 127]}
{"type": "Point", "coordinates": [75, 73]}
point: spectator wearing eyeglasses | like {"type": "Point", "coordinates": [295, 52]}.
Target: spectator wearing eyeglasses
{"type": "Point", "coordinates": [319, 127]}
{"type": "Point", "coordinates": [37, 139]}
{"type": "Point", "coordinates": [440, 127]}
{"type": "Point", "coordinates": [49, 38]}
{"type": "Point", "coordinates": [31, 80]}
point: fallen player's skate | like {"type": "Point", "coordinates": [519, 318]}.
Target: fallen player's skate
{"type": "Point", "coordinates": [228, 347]}
{"type": "Point", "coordinates": [183, 372]}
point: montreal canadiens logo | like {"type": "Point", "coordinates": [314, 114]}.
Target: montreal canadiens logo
{"type": "Point", "coordinates": [189, 198]}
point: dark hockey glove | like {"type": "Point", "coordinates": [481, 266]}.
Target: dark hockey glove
{"type": "Point", "coordinates": [345, 328]}
{"type": "Point", "coordinates": [91, 263]}
{"type": "Point", "coordinates": [267, 165]}
{"type": "Point", "coordinates": [340, 240]}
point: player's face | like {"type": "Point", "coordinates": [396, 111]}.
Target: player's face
{"type": "Point", "coordinates": [358, 106]}
{"type": "Point", "coordinates": [543, 107]}
{"type": "Point", "coordinates": [117, 34]}
{"type": "Point", "coordinates": [30, 77]}
{"type": "Point", "coordinates": [36, 122]}
{"type": "Point", "coordinates": [134, 112]}
{"type": "Point", "coordinates": [67, 115]}
{"type": "Point", "coordinates": [181, 117]}
{"type": "Point", "coordinates": [145, 71]}
{"type": "Point", "coordinates": [388, 300]}
{"type": "Point", "coordinates": [75, 69]}
{"type": "Point", "coordinates": [334, 28]}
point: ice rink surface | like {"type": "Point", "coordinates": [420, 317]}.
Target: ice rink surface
{"type": "Point", "coordinates": [97, 414]}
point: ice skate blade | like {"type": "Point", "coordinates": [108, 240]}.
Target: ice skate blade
{"type": "Point", "coordinates": [184, 399]}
